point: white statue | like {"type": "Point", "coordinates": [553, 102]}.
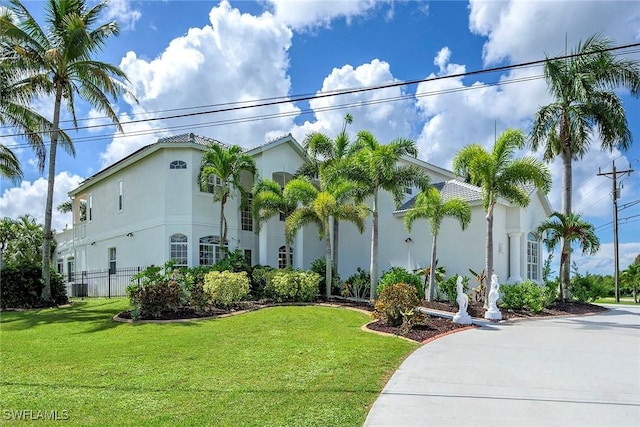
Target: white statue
{"type": "Point", "coordinates": [462, 299]}
{"type": "Point", "coordinates": [493, 313]}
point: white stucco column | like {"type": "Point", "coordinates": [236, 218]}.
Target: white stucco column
{"type": "Point", "coordinates": [298, 252]}
{"type": "Point", "coordinates": [263, 248]}
{"type": "Point", "coordinates": [514, 257]}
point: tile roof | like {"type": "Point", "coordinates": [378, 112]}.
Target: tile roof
{"type": "Point", "coordinates": [190, 138]}
{"type": "Point", "coordinates": [449, 190]}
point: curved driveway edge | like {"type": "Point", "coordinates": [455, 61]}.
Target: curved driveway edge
{"type": "Point", "coordinates": [576, 371]}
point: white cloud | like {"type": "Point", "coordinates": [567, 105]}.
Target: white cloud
{"type": "Point", "coordinates": [525, 30]}
{"type": "Point", "coordinates": [239, 57]}
{"type": "Point", "coordinates": [30, 198]}
{"type": "Point", "coordinates": [305, 14]}
{"type": "Point", "coordinates": [386, 120]}
{"type": "Point", "coordinates": [123, 12]}
{"type": "Point", "coordinates": [602, 262]}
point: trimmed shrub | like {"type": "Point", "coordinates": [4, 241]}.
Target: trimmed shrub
{"type": "Point", "coordinates": [526, 294]}
{"type": "Point", "coordinates": [226, 288]}
{"type": "Point", "coordinates": [260, 285]}
{"type": "Point", "coordinates": [198, 298]}
{"type": "Point", "coordinates": [292, 285]}
{"type": "Point", "coordinates": [587, 288]}
{"type": "Point", "coordinates": [400, 275]}
{"type": "Point", "coordinates": [358, 285]}
{"type": "Point", "coordinates": [22, 286]}
{"type": "Point", "coordinates": [153, 299]}
{"type": "Point", "coordinates": [395, 303]}
{"type": "Point", "coordinates": [319, 266]}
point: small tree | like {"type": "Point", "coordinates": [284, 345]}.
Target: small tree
{"type": "Point", "coordinates": [228, 165]}
{"type": "Point", "coordinates": [568, 229]}
{"type": "Point", "coordinates": [431, 206]}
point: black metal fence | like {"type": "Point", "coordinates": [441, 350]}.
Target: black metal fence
{"type": "Point", "coordinates": [101, 283]}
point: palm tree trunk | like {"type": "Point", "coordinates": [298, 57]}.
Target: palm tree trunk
{"type": "Point", "coordinates": [287, 251]}
{"type": "Point", "coordinates": [335, 242]}
{"type": "Point", "coordinates": [223, 229]}
{"type": "Point", "coordinates": [48, 212]}
{"type": "Point", "coordinates": [563, 291]}
{"type": "Point", "coordinates": [489, 255]}
{"type": "Point", "coordinates": [373, 268]}
{"type": "Point", "coordinates": [327, 269]}
{"type": "Point", "coordinates": [565, 268]}
{"type": "Point", "coordinates": [432, 273]}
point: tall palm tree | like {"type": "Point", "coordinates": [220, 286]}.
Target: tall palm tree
{"type": "Point", "coordinates": [569, 229]}
{"type": "Point", "coordinates": [228, 165]}
{"type": "Point", "coordinates": [9, 164]}
{"type": "Point", "coordinates": [268, 201]}
{"type": "Point", "coordinates": [499, 174]}
{"type": "Point", "coordinates": [325, 155]}
{"type": "Point", "coordinates": [431, 206]}
{"type": "Point", "coordinates": [59, 62]}
{"type": "Point", "coordinates": [585, 108]}
{"type": "Point", "coordinates": [631, 278]}
{"type": "Point", "coordinates": [318, 206]}
{"type": "Point", "coordinates": [375, 167]}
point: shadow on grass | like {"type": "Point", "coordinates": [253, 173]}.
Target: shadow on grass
{"type": "Point", "coordinates": [99, 313]}
{"type": "Point", "coordinates": [137, 389]}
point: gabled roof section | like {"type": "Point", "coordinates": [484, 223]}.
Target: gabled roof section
{"type": "Point", "coordinates": [196, 141]}
{"type": "Point", "coordinates": [285, 139]}
{"type": "Point", "coordinates": [429, 166]}
{"type": "Point", "coordinates": [192, 138]}
{"type": "Point", "coordinates": [450, 189]}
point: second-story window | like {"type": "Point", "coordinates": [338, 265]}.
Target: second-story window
{"type": "Point", "coordinates": [90, 207]}
{"type": "Point", "coordinates": [178, 164]}
{"type": "Point", "coordinates": [120, 195]}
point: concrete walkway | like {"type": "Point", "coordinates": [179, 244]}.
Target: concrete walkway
{"type": "Point", "coordinates": [574, 371]}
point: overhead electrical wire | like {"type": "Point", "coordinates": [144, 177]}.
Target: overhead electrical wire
{"type": "Point", "coordinates": [235, 106]}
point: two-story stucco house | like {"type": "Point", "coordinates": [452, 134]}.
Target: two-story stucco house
{"type": "Point", "coordinates": [148, 208]}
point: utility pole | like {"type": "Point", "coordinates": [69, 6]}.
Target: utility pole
{"type": "Point", "coordinates": [615, 194]}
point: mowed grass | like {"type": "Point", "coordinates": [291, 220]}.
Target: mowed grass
{"type": "Point", "coordinates": [293, 366]}
{"type": "Point", "coordinates": [612, 300]}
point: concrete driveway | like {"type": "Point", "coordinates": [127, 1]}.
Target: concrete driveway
{"type": "Point", "coordinates": [574, 371]}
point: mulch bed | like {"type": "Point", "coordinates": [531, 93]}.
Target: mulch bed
{"type": "Point", "coordinates": [559, 309]}
{"type": "Point", "coordinates": [433, 327]}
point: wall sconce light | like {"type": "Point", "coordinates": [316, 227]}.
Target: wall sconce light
{"type": "Point", "coordinates": [129, 234]}
{"type": "Point", "coordinates": [408, 240]}
{"type": "Point", "coordinates": [93, 243]}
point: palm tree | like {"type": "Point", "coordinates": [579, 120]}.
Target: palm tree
{"type": "Point", "coordinates": [268, 201]}
{"type": "Point", "coordinates": [318, 206]}
{"type": "Point", "coordinates": [631, 278]}
{"type": "Point", "coordinates": [325, 155]}
{"type": "Point", "coordinates": [585, 108]}
{"type": "Point", "coordinates": [569, 229]}
{"type": "Point", "coordinates": [431, 206]}
{"type": "Point", "coordinates": [59, 62]}
{"type": "Point", "coordinates": [499, 174]}
{"type": "Point", "coordinates": [9, 164]}
{"type": "Point", "coordinates": [374, 167]}
{"type": "Point", "coordinates": [227, 166]}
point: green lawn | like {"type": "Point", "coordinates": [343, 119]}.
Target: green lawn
{"type": "Point", "coordinates": [296, 366]}
{"type": "Point", "coordinates": [612, 300]}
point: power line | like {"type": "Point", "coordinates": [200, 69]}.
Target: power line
{"type": "Point", "coordinates": [320, 95]}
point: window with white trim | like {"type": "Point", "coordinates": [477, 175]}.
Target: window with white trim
{"type": "Point", "coordinates": [90, 208]}
{"type": "Point", "coordinates": [210, 251]}
{"type": "Point", "coordinates": [213, 181]}
{"type": "Point", "coordinates": [178, 251]}
{"type": "Point", "coordinates": [246, 219]}
{"type": "Point", "coordinates": [533, 257]}
{"type": "Point", "coordinates": [282, 257]}
{"type": "Point", "coordinates": [112, 260]}
{"type": "Point", "coordinates": [120, 195]}
{"type": "Point", "coordinates": [178, 164]}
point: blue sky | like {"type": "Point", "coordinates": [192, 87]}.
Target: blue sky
{"type": "Point", "coordinates": [184, 54]}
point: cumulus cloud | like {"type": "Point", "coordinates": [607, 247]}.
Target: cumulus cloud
{"type": "Point", "coordinates": [124, 13]}
{"type": "Point", "coordinates": [238, 58]}
{"type": "Point", "coordinates": [306, 14]}
{"type": "Point", "coordinates": [30, 198]}
{"type": "Point", "coordinates": [386, 120]}
{"type": "Point", "coordinates": [525, 30]}
{"type": "Point", "coordinates": [602, 262]}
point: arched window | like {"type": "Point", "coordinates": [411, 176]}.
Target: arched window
{"type": "Point", "coordinates": [210, 250]}
{"type": "Point", "coordinates": [213, 181]}
{"type": "Point", "coordinates": [533, 257]}
{"type": "Point", "coordinates": [178, 164]}
{"type": "Point", "coordinates": [179, 249]}
{"type": "Point", "coordinates": [282, 257]}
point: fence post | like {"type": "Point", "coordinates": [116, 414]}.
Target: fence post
{"type": "Point", "coordinates": [138, 276]}
{"type": "Point", "coordinates": [109, 281]}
